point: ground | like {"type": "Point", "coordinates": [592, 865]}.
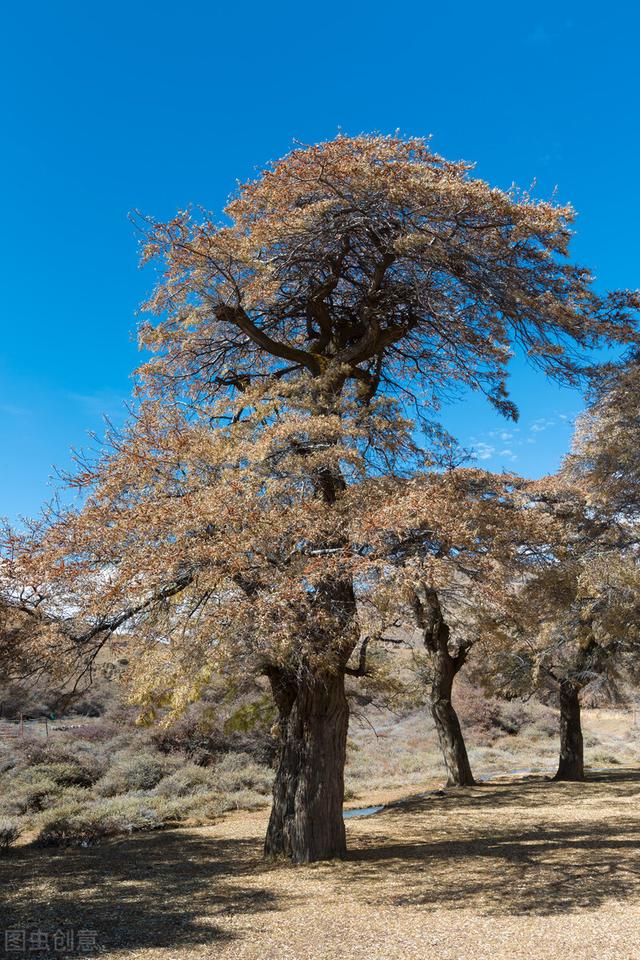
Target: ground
{"type": "Point", "coordinates": [517, 867]}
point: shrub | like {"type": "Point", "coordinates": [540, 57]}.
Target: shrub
{"type": "Point", "coordinates": [242, 800]}
{"type": "Point", "coordinates": [7, 761]}
{"type": "Point", "coordinates": [36, 752]}
{"type": "Point", "coordinates": [28, 794]}
{"type": "Point", "coordinates": [207, 729]}
{"type": "Point", "coordinates": [31, 750]}
{"type": "Point", "coordinates": [65, 774]}
{"type": "Point", "coordinates": [475, 709]}
{"type": "Point", "coordinates": [84, 824]}
{"type": "Point", "coordinates": [483, 713]}
{"type": "Point", "coordinates": [543, 719]}
{"type": "Point", "coordinates": [100, 732]}
{"type": "Point", "coordinates": [605, 758]}
{"type": "Point", "coordinates": [195, 734]}
{"type": "Point", "coordinates": [141, 771]}
{"type": "Point", "coordinates": [9, 833]}
{"type": "Point", "coordinates": [188, 780]}
{"type": "Point", "coordinates": [238, 771]}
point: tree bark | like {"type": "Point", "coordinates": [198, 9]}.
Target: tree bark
{"type": "Point", "coordinates": [571, 766]}
{"type": "Point", "coordinates": [306, 822]}
{"type": "Point", "coordinates": [454, 750]}
{"type": "Point", "coordinates": [445, 667]}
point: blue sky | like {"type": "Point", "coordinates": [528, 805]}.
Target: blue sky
{"type": "Point", "coordinates": [155, 105]}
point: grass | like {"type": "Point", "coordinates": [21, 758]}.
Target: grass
{"type": "Point", "coordinates": [516, 867]}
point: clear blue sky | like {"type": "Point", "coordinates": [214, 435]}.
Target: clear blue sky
{"type": "Point", "coordinates": [106, 107]}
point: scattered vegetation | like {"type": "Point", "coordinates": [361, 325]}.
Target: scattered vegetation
{"type": "Point", "coordinates": [94, 779]}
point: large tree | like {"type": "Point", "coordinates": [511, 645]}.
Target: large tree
{"type": "Point", "coordinates": [284, 426]}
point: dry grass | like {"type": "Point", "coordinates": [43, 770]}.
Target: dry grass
{"type": "Point", "coordinates": [388, 755]}
{"type": "Point", "coordinates": [514, 868]}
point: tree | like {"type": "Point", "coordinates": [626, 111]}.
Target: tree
{"type": "Point", "coordinates": [484, 592]}
{"type": "Point", "coordinates": [605, 458]}
{"type": "Point", "coordinates": [605, 465]}
{"type": "Point", "coordinates": [570, 618]}
{"type": "Point", "coordinates": [285, 428]}
{"type": "Point", "coordinates": [445, 665]}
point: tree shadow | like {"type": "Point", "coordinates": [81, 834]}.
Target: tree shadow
{"type": "Point", "coordinates": [528, 847]}
{"type": "Point", "coordinates": [524, 863]}
{"type": "Point", "coordinates": [149, 890]}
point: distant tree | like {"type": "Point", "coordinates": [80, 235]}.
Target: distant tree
{"type": "Point", "coordinates": [282, 432]}
{"type": "Point", "coordinates": [570, 620]}
{"type": "Point", "coordinates": [465, 615]}
{"type": "Point", "coordinates": [469, 565]}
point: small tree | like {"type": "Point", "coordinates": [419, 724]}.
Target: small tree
{"type": "Point", "coordinates": [284, 427]}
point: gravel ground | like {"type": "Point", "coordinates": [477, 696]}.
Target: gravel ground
{"type": "Point", "coordinates": [515, 868]}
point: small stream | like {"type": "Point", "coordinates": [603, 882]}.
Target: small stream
{"type": "Point", "coordinates": [361, 812]}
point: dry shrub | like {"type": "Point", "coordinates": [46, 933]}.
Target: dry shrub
{"type": "Point", "coordinates": [190, 779]}
{"type": "Point", "coordinates": [482, 714]}
{"type": "Point", "coordinates": [9, 832]}
{"type": "Point", "coordinates": [82, 824]}
{"type": "Point", "coordinates": [239, 771]}
{"type": "Point", "coordinates": [133, 771]}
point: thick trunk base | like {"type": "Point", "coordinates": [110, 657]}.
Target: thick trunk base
{"type": "Point", "coordinates": [571, 766]}
{"type": "Point", "coordinates": [306, 822]}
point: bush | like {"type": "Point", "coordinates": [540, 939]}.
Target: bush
{"type": "Point", "coordinates": [100, 732]}
{"type": "Point", "coordinates": [7, 761]}
{"type": "Point", "coordinates": [207, 729]}
{"type": "Point", "coordinates": [238, 771]}
{"type": "Point", "coordinates": [28, 792]}
{"type": "Point", "coordinates": [241, 800]}
{"type": "Point", "coordinates": [188, 780]}
{"type": "Point", "coordinates": [605, 758]}
{"type": "Point", "coordinates": [35, 752]}
{"type": "Point", "coordinates": [475, 709]}
{"type": "Point", "coordinates": [65, 774]}
{"type": "Point", "coordinates": [132, 772]}
{"type": "Point", "coordinates": [195, 734]}
{"type": "Point", "coordinates": [9, 833]}
{"type": "Point", "coordinates": [483, 713]}
{"type": "Point", "coordinates": [83, 824]}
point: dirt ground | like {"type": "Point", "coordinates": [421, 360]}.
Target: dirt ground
{"type": "Point", "coordinates": [514, 868]}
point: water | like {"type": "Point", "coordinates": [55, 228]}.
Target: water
{"type": "Point", "coordinates": [362, 812]}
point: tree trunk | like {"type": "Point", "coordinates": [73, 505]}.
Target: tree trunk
{"type": "Point", "coordinates": [571, 765]}
{"type": "Point", "coordinates": [452, 743]}
{"type": "Point", "coordinates": [306, 821]}
{"type": "Point", "coordinates": [445, 667]}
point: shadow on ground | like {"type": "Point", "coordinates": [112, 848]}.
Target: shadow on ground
{"type": "Point", "coordinates": [152, 890]}
{"type": "Point", "coordinates": [503, 849]}
{"type": "Point", "coordinates": [529, 847]}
